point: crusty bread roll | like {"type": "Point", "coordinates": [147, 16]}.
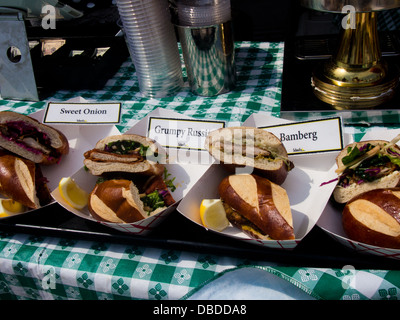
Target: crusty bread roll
{"type": "Point", "coordinates": [124, 201]}
{"type": "Point", "coordinates": [343, 195]}
{"type": "Point", "coordinates": [386, 176]}
{"type": "Point", "coordinates": [22, 181]}
{"type": "Point", "coordinates": [104, 159]}
{"type": "Point", "coordinates": [257, 149]}
{"type": "Point", "coordinates": [116, 201]}
{"type": "Point", "coordinates": [373, 217]}
{"type": "Point", "coordinates": [30, 139]}
{"type": "Point", "coordinates": [257, 206]}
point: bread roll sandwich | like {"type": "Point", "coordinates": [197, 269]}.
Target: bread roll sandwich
{"type": "Point", "coordinates": [257, 149]}
{"type": "Point", "coordinates": [367, 165]}
{"type": "Point", "coordinates": [128, 153]}
{"type": "Point", "coordinates": [257, 206]}
{"type": "Point", "coordinates": [21, 180]}
{"type": "Point", "coordinates": [30, 139]}
{"type": "Point", "coordinates": [120, 200]}
{"type": "Point", "coordinates": [373, 217]}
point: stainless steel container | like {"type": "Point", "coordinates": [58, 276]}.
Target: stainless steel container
{"type": "Point", "coordinates": [209, 56]}
{"type": "Point", "coordinates": [206, 37]}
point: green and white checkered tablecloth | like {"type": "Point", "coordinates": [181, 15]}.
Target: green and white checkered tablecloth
{"type": "Point", "coordinates": [258, 89]}
{"type": "Point", "coordinates": [33, 267]}
{"type": "Point", "coordinates": [44, 267]}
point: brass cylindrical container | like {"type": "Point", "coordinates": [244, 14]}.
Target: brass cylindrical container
{"type": "Point", "coordinates": [356, 76]}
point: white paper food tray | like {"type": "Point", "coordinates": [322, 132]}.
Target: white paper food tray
{"type": "Point", "coordinates": [331, 218]}
{"type": "Point", "coordinates": [185, 174]}
{"type": "Point", "coordinates": [80, 139]}
{"type": "Point", "coordinates": [303, 186]}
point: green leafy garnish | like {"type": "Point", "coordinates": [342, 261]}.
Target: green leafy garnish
{"type": "Point", "coordinates": [395, 160]}
{"type": "Point", "coordinates": [101, 180]}
{"type": "Point", "coordinates": [169, 182]}
{"type": "Point", "coordinates": [153, 200]}
{"type": "Point", "coordinates": [129, 147]}
{"type": "Point", "coordinates": [354, 153]}
{"type": "Point", "coordinates": [122, 146]}
{"type": "Point", "coordinates": [143, 150]}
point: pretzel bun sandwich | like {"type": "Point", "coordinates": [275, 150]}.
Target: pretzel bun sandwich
{"type": "Point", "coordinates": [373, 217]}
{"type": "Point", "coordinates": [21, 180]}
{"type": "Point", "coordinates": [127, 153]}
{"type": "Point", "coordinates": [121, 201]}
{"type": "Point", "coordinates": [257, 149]}
{"type": "Point", "coordinates": [257, 206]}
{"type": "Point", "coordinates": [367, 165]}
{"type": "Point", "coordinates": [30, 139]}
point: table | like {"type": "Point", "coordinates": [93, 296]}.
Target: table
{"type": "Point", "coordinates": [46, 263]}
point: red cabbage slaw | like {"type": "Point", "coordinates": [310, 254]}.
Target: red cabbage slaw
{"type": "Point", "coordinates": [17, 130]}
{"type": "Point", "coordinates": [349, 176]}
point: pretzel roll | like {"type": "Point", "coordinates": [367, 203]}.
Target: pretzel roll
{"type": "Point", "coordinates": [124, 201]}
{"type": "Point", "coordinates": [116, 200]}
{"type": "Point", "coordinates": [21, 180]}
{"type": "Point", "coordinates": [373, 217]}
{"type": "Point", "coordinates": [257, 206]}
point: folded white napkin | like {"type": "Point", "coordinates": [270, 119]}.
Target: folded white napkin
{"type": "Point", "coordinates": [249, 284]}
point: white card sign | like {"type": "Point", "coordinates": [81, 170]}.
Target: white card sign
{"type": "Point", "coordinates": [81, 113]}
{"type": "Point", "coordinates": [313, 136]}
{"type": "Point", "coordinates": [181, 133]}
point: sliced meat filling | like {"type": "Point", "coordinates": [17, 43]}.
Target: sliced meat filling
{"type": "Point", "coordinates": [104, 156]}
{"type": "Point", "coordinates": [125, 151]}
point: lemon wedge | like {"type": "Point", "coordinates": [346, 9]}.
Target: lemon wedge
{"type": "Point", "coordinates": [74, 195]}
{"type": "Point", "coordinates": [213, 215]}
{"type": "Point", "coordinates": [10, 207]}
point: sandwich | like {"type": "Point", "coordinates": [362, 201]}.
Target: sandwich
{"type": "Point", "coordinates": [373, 217]}
{"type": "Point", "coordinates": [133, 183]}
{"type": "Point", "coordinates": [127, 153]}
{"type": "Point", "coordinates": [121, 200]}
{"type": "Point", "coordinates": [367, 165]}
{"type": "Point", "coordinates": [257, 206]}
{"type": "Point", "coordinates": [21, 180]}
{"type": "Point", "coordinates": [30, 139]}
{"type": "Point", "coordinates": [257, 150]}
